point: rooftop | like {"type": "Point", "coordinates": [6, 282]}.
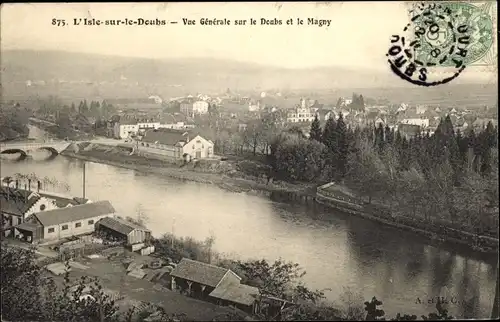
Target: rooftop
{"type": "Point", "coordinates": [200, 272]}
{"type": "Point", "coordinates": [166, 136]}
{"type": "Point", "coordinates": [16, 201]}
{"type": "Point", "coordinates": [237, 293]}
{"type": "Point", "coordinates": [120, 225]}
{"type": "Point", "coordinates": [68, 214]}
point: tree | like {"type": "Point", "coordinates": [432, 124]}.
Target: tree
{"type": "Point", "coordinates": [379, 138]}
{"type": "Point", "coordinates": [341, 137]}
{"type": "Point", "coordinates": [315, 133]}
{"type": "Point", "coordinates": [328, 137]}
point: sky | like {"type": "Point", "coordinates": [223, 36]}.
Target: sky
{"type": "Point", "coordinates": [358, 35]}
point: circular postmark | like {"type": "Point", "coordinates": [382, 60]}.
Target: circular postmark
{"type": "Point", "coordinates": [440, 40]}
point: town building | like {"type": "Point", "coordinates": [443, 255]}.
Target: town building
{"type": "Point", "coordinates": [128, 128]}
{"type": "Point", "coordinates": [176, 144]}
{"type": "Point", "coordinates": [64, 222]}
{"type": "Point", "coordinates": [214, 284]}
{"type": "Point", "coordinates": [480, 123]}
{"type": "Point", "coordinates": [200, 107]}
{"type": "Point", "coordinates": [176, 126]}
{"type": "Point", "coordinates": [254, 107]}
{"type": "Point", "coordinates": [125, 128]}
{"type": "Point", "coordinates": [17, 204]}
{"type": "Point", "coordinates": [324, 114]}
{"type": "Point", "coordinates": [191, 108]}
{"type": "Point", "coordinates": [301, 113]}
{"type": "Point", "coordinates": [422, 122]}
{"type": "Point", "coordinates": [421, 109]}
{"type": "Point", "coordinates": [129, 232]}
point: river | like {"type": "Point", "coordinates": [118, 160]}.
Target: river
{"type": "Point", "coordinates": [337, 251]}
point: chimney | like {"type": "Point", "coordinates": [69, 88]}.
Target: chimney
{"type": "Point", "coordinates": [26, 195]}
{"type": "Point", "coordinates": [17, 184]}
{"type": "Point", "coordinates": [39, 184]}
{"type": "Point", "coordinates": [29, 184]}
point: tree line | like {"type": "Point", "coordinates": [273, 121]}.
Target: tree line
{"type": "Point", "coordinates": [448, 176]}
{"type": "Point", "coordinates": [69, 118]}
{"type": "Point", "coordinates": [14, 121]}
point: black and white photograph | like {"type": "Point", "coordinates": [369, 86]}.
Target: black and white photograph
{"type": "Point", "coordinates": [249, 161]}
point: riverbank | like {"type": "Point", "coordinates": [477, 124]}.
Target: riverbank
{"type": "Point", "coordinates": [120, 157]}
{"type": "Point", "coordinates": [281, 192]}
{"type": "Point", "coordinates": [435, 231]}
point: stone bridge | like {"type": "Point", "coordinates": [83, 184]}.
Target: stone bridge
{"type": "Point", "coordinates": [26, 148]}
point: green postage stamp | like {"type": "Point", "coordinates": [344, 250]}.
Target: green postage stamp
{"type": "Point", "coordinates": [441, 39]}
{"type": "Point", "coordinates": [439, 36]}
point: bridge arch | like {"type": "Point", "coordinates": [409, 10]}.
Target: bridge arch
{"type": "Point", "coordinates": [50, 149]}
{"type": "Point", "coordinates": [22, 153]}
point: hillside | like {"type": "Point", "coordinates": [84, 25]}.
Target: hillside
{"type": "Point", "coordinates": [188, 74]}
{"type": "Point", "coordinates": [76, 76]}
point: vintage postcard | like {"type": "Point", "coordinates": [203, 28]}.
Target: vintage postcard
{"type": "Point", "coordinates": [239, 161]}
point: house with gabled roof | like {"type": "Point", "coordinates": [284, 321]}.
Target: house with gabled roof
{"type": "Point", "coordinates": [65, 222]}
{"type": "Point", "coordinates": [176, 144]}
{"type": "Point", "coordinates": [16, 204]}
{"type": "Point", "coordinates": [214, 284]}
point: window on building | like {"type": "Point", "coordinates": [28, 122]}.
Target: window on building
{"type": "Point", "coordinates": [78, 225]}
{"type": "Point", "coordinates": [91, 222]}
{"type": "Point", "coordinates": [51, 230]}
{"type": "Point", "coordinates": [42, 207]}
{"type": "Point", "coordinates": [64, 227]}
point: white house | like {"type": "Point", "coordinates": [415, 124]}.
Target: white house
{"type": "Point", "coordinates": [127, 128]}
{"type": "Point", "coordinates": [254, 107]}
{"type": "Point", "coordinates": [17, 204]}
{"type": "Point", "coordinates": [422, 122]}
{"type": "Point", "coordinates": [66, 222]}
{"type": "Point", "coordinates": [176, 126]}
{"type": "Point", "coordinates": [421, 109]}
{"type": "Point", "coordinates": [200, 107]}
{"type": "Point", "coordinates": [176, 144]}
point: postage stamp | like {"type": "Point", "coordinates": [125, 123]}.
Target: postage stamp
{"type": "Point", "coordinates": [441, 40]}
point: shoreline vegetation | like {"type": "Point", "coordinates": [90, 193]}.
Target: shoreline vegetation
{"type": "Point", "coordinates": [120, 157]}
{"type": "Point", "coordinates": [23, 281]}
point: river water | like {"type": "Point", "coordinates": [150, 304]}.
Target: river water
{"type": "Point", "coordinates": [337, 251]}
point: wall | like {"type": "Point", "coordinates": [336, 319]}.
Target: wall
{"type": "Point", "coordinates": [121, 130]}
{"type": "Point", "coordinates": [137, 236]}
{"type": "Point", "coordinates": [72, 230]}
{"type": "Point", "coordinates": [160, 150]}
{"type": "Point", "coordinates": [49, 205]}
{"type": "Point", "coordinates": [199, 144]}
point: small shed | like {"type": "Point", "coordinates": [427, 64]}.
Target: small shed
{"type": "Point", "coordinates": [30, 232]}
{"type": "Point", "coordinates": [129, 232]}
{"type": "Point", "coordinates": [200, 279]}
{"type": "Point", "coordinates": [240, 296]}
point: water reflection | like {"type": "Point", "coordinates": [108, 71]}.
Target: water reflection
{"type": "Point", "coordinates": [339, 250]}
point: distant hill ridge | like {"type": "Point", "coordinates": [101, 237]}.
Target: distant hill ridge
{"type": "Point", "coordinates": [21, 65]}
{"type": "Point", "coordinates": [120, 77]}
